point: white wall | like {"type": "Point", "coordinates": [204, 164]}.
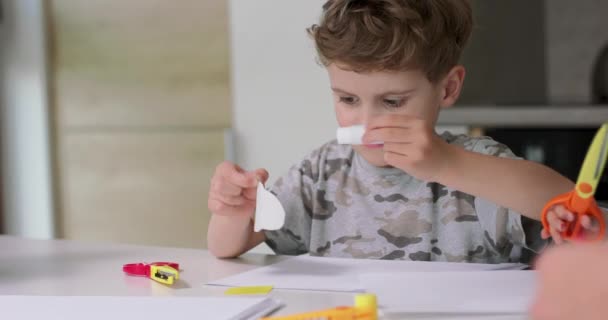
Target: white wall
{"type": "Point", "coordinates": [24, 121]}
{"type": "Point", "coordinates": [282, 107]}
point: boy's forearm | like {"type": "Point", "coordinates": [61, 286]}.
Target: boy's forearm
{"type": "Point", "coordinates": [229, 236]}
{"type": "Point", "coordinates": [521, 185]}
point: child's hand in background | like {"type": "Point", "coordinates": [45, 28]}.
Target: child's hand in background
{"type": "Point", "coordinates": [233, 190]}
{"type": "Point", "coordinates": [572, 283]}
{"type": "Point", "coordinates": [410, 144]}
{"type": "Point", "coordinates": [558, 218]}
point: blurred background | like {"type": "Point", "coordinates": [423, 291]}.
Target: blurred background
{"type": "Point", "coordinates": [115, 113]}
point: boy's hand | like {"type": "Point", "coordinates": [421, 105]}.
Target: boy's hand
{"type": "Point", "coordinates": [559, 216]}
{"type": "Point", "coordinates": [233, 190]}
{"type": "Point", "coordinates": [410, 144]}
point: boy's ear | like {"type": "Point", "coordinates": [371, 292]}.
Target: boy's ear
{"type": "Point", "coordinates": [451, 86]}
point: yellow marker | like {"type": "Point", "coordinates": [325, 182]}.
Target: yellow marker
{"type": "Point", "coordinates": [249, 290]}
{"type": "Point", "coordinates": [163, 274]}
{"type": "Point", "coordinates": [365, 309]}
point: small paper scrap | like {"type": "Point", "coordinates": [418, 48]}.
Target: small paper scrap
{"type": "Point", "coordinates": [352, 135]}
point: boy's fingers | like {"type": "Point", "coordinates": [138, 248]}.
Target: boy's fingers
{"type": "Point", "coordinates": [227, 166]}
{"type": "Point", "coordinates": [250, 193]}
{"type": "Point", "coordinates": [564, 213]}
{"type": "Point", "coordinates": [233, 201]}
{"type": "Point", "coordinates": [590, 224]}
{"type": "Point", "coordinates": [545, 234]}
{"type": "Point", "coordinates": [223, 186]}
{"type": "Point", "coordinates": [555, 227]}
{"type": "Point", "coordinates": [262, 175]}
{"type": "Point", "coordinates": [242, 180]}
{"type": "Point", "coordinates": [235, 175]}
{"type": "Point", "coordinates": [237, 167]}
{"type": "Point", "coordinates": [554, 222]}
{"type": "Point", "coordinates": [403, 149]}
{"type": "Point", "coordinates": [586, 222]}
{"type": "Point", "coordinates": [217, 206]}
{"type": "Point", "coordinates": [387, 135]}
{"type": "Point", "coordinates": [557, 237]}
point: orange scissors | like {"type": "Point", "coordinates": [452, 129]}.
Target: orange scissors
{"type": "Point", "coordinates": [580, 201]}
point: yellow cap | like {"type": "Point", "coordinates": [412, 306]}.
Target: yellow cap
{"type": "Point", "coordinates": [367, 302]}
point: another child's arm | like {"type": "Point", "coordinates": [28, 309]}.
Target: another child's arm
{"type": "Point", "coordinates": [232, 203]}
{"type": "Point", "coordinates": [572, 283]}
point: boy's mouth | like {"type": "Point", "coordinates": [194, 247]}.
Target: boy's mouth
{"type": "Point", "coordinates": [374, 146]}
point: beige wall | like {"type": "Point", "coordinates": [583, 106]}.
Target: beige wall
{"type": "Point", "coordinates": [141, 98]}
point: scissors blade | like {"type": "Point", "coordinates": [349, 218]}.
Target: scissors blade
{"type": "Point", "coordinates": [599, 167]}
{"type": "Point", "coordinates": [595, 161]}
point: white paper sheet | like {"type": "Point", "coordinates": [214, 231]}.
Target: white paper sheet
{"type": "Point", "coordinates": [507, 292]}
{"type": "Point", "coordinates": [335, 274]}
{"type": "Point", "coordinates": [269, 212]}
{"type": "Point", "coordinates": [149, 308]}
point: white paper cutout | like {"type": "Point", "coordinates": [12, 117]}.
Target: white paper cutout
{"type": "Point", "coordinates": [269, 213]}
{"type": "Point", "coordinates": [352, 135]}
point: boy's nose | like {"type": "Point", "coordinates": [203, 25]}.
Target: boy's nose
{"type": "Point", "coordinates": [368, 114]}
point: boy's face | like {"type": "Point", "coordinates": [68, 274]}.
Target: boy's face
{"type": "Point", "coordinates": [360, 97]}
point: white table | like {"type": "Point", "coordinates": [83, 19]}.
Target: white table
{"type": "Point", "coordinates": [59, 267]}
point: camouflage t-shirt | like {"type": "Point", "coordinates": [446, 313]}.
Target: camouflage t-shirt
{"type": "Point", "coordinates": [339, 205]}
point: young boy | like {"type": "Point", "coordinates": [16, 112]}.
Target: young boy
{"type": "Point", "coordinates": [393, 64]}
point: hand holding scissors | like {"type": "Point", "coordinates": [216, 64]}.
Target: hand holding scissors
{"type": "Point", "coordinates": [578, 207]}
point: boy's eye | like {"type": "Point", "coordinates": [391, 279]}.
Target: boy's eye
{"type": "Point", "coordinates": [393, 103]}
{"type": "Point", "coordinates": [348, 100]}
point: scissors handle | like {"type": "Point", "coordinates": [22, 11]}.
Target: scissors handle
{"type": "Point", "coordinates": [578, 207]}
